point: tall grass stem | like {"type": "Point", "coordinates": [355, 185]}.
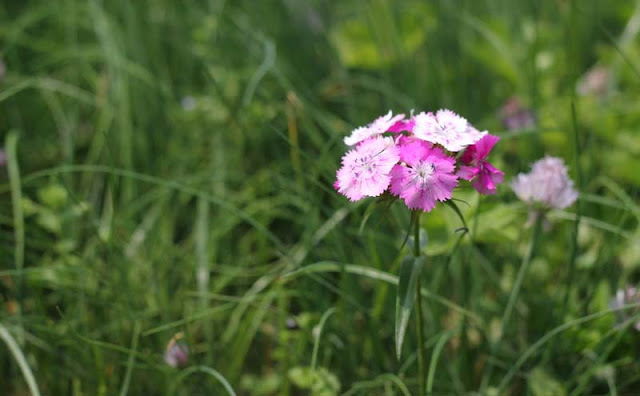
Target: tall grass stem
{"type": "Point", "coordinates": [15, 184]}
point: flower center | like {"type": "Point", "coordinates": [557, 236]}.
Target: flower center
{"type": "Point", "coordinates": [423, 174]}
{"type": "Point", "coordinates": [425, 170]}
{"type": "Point", "coordinates": [367, 164]}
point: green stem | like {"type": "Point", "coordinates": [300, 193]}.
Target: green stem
{"type": "Point", "coordinates": [416, 235]}
{"type": "Point", "coordinates": [11, 144]}
{"type": "Point", "coordinates": [576, 224]}
{"type": "Point", "coordinates": [515, 292]}
{"type": "Point", "coordinates": [419, 322]}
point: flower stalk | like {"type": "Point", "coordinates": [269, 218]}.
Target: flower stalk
{"type": "Point", "coordinates": [419, 313]}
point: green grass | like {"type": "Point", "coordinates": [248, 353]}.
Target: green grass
{"type": "Point", "coordinates": [129, 214]}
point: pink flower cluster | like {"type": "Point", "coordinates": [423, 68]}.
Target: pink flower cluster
{"type": "Point", "coordinates": [419, 159]}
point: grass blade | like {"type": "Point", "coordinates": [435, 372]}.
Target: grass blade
{"type": "Point", "coordinates": [18, 218]}
{"type": "Point", "coordinates": [20, 359]}
{"type": "Point", "coordinates": [372, 273]}
{"type": "Point", "coordinates": [134, 347]}
{"type": "Point", "coordinates": [206, 370]}
{"type": "Point", "coordinates": [410, 271]}
{"type": "Point", "coordinates": [434, 359]}
{"type": "Point", "coordinates": [316, 344]}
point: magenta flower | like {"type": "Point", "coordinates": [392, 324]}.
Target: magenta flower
{"type": "Point", "coordinates": [446, 128]}
{"type": "Point", "coordinates": [425, 176]}
{"type": "Point", "coordinates": [365, 171]}
{"type": "Point", "coordinates": [376, 128]}
{"type": "Point", "coordinates": [476, 167]}
{"type": "Point", "coordinates": [403, 125]}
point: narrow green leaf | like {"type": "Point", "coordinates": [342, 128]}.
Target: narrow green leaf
{"type": "Point", "coordinates": [456, 209]}
{"type": "Point", "coordinates": [15, 350]}
{"type": "Point", "coordinates": [370, 209]}
{"type": "Point", "coordinates": [444, 338]}
{"type": "Point", "coordinates": [415, 216]}
{"type": "Point", "coordinates": [366, 272]}
{"type": "Point", "coordinates": [406, 296]}
{"type": "Point", "coordinates": [206, 370]}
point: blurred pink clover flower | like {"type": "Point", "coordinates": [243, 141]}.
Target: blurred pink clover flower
{"type": "Point", "coordinates": [547, 186]}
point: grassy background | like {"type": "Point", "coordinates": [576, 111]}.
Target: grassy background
{"type": "Point", "coordinates": [174, 161]}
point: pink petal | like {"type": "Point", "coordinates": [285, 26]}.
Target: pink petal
{"type": "Point", "coordinates": [488, 179]}
{"type": "Point", "coordinates": [402, 125]}
{"type": "Point", "coordinates": [421, 199]}
{"type": "Point", "coordinates": [484, 146]}
{"type": "Point", "coordinates": [413, 151]}
{"type": "Point", "coordinates": [379, 126]}
{"type": "Point", "coordinates": [497, 175]}
{"type": "Point", "coordinates": [484, 184]}
{"type": "Point", "coordinates": [468, 172]}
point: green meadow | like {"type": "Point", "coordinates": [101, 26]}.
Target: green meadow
{"type": "Point", "coordinates": [166, 187]}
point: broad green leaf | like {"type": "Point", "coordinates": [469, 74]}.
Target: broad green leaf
{"type": "Point", "coordinates": [408, 281]}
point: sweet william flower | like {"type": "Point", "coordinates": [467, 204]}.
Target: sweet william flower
{"type": "Point", "coordinates": [547, 185]}
{"type": "Point", "coordinates": [414, 163]}
{"type": "Point", "coordinates": [447, 129]}
{"type": "Point", "coordinates": [484, 175]}
{"type": "Point", "coordinates": [424, 177]}
{"type": "Point", "coordinates": [379, 126]}
{"type": "Point", "coordinates": [365, 170]}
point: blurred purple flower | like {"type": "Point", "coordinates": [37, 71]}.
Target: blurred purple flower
{"type": "Point", "coordinates": [630, 295]}
{"type": "Point", "coordinates": [306, 15]}
{"type": "Point", "coordinates": [594, 82]}
{"type": "Point", "coordinates": [514, 116]}
{"type": "Point", "coordinates": [292, 324]}
{"type": "Point", "coordinates": [177, 353]}
{"type": "Point", "coordinates": [188, 103]}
